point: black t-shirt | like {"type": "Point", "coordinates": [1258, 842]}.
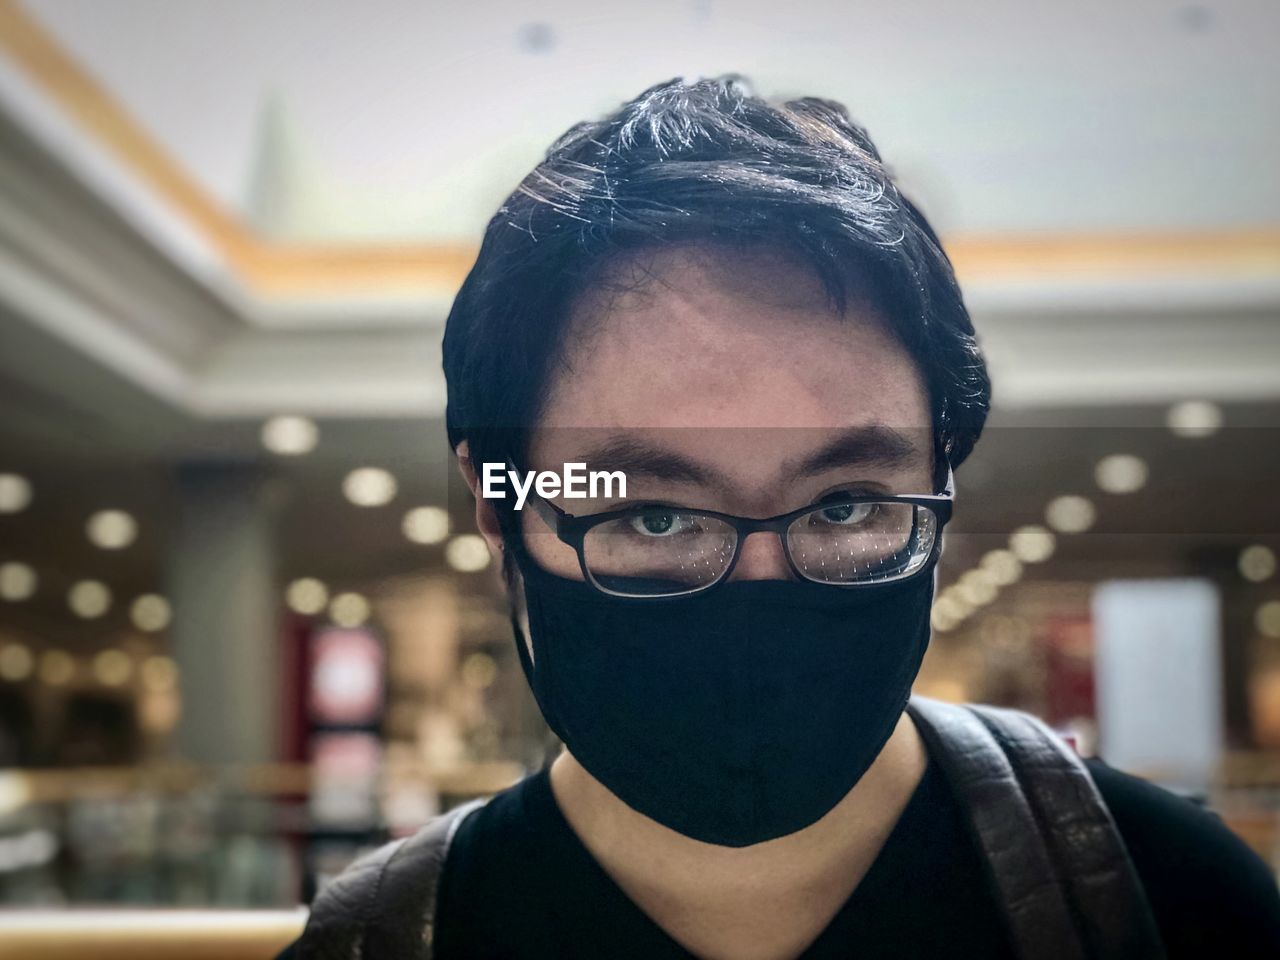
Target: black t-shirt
{"type": "Point", "coordinates": [518, 883]}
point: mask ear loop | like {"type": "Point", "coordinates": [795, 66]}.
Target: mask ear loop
{"type": "Point", "coordinates": [512, 549]}
{"type": "Point", "coordinates": [522, 642]}
{"type": "Point", "coordinates": [512, 553]}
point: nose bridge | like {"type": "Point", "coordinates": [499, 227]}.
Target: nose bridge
{"type": "Point", "coordinates": [762, 558]}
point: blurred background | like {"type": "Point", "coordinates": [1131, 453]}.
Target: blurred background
{"type": "Point", "coordinates": [246, 626]}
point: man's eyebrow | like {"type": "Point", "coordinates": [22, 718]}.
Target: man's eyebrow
{"type": "Point", "coordinates": [873, 445]}
{"type": "Point", "coordinates": [636, 458]}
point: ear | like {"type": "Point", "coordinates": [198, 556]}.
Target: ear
{"type": "Point", "coordinates": [486, 516]}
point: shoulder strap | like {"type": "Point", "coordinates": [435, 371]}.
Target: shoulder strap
{"type": "Point", "coordinates": [1052, 851]}
{"type": "Point", "coordinates": [1102, 885]}
{"type": "Point", "coordinates": [1017, 860]}
{"type": "Point", "coordinates": [384, 904]}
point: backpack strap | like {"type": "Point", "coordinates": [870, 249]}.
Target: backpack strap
{"type": "Point", "coordinates": [384, 904]}
{"type": "Point", "coordinates": [1052, 851]}
{"type": "Point", "coordinates": [1102, 885]}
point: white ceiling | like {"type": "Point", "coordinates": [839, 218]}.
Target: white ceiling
{"type": "Point", "coordinates": [400, 119]}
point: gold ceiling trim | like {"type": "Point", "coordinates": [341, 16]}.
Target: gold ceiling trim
{"type": "Point", "coordinates": [273, 269]}
{"type": "Point", "coordinates": [265, 267]}
{"type": "Point", "coordinates": [1237, 253]}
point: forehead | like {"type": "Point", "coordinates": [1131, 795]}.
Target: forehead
{"type": "Point", "coordinates": [719, 339]}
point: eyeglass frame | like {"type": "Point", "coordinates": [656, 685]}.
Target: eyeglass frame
{"type": "Point", "coordinates": [572, 530]}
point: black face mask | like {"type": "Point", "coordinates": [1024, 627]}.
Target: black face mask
{"type": "Point", "coordinates": [734, 716]}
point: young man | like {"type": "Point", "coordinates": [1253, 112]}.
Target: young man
{"type": "Point", "coordinates": [732, 304]}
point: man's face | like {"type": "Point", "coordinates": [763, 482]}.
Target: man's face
{"type": "Point", "coordinates": [725, 380]}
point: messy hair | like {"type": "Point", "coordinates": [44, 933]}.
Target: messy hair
{"type": "Point", "coordinates": [704, 161]}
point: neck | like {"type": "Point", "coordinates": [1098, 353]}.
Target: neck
{"type": "Point", "coordinates": [736, 901]}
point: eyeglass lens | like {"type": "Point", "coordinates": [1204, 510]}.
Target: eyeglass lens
{"type": "Point", "coordinates": [670, 551]}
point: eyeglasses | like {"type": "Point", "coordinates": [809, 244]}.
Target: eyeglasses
{"type": "Point", "coordinates": [666, 551]}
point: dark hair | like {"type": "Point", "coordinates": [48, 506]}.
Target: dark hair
{"type": "Point", "coordinates": [702, 161]}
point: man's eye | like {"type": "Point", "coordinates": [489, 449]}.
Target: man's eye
{"type": "Point", "coordinates": [659, 524]}
{"type": "Point", "coordinates": [848, 513]}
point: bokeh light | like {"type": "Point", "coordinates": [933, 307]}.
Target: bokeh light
{"type": "Point", "coordinates": [307, 596]}
{"type": "Point", "coordinates": [1121, 473]}
{"type": "Point", "coordinates": [15, 493]}
{"type": "Point", "coordinates": [1070, 514]}
{"type": "Point", "coordinates": [1194, 418]}
{"type": "Point", "coordinates": [369, 487]}
{"type": "Point", "coordinates": [290, 436]}
{"type": "Point", "coordinates": [467, 553]}
{"type": "Point", "coordinates": [89, 599]}
{"type": "Point", "coordinates": [1032, 544]}
{"type": "Point", "coordinates": [426, 525]}
{"type": "Point", "coordinates": [150, 612]}
{"type": "Point", "coordinates": [18, 581]}
{"type": "Point", "coordinates": [349, 610]}
{"type": "Point", "coordinates": [112, 529]}
{"type": "Point", "coordinates": [1257, 563]}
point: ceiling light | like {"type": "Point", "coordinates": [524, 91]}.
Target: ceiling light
{"type": "Point", "coordinates": [426, 525]}
{"type": "Point", "coordinates": [290, 436]}
{"type": "Point", "coordinates": [976, 587]}
{"type": "Point", "coordinates": [150, 612]}
{"type": "Point", "coordinates": [959, 606]}
{"type": "Point", "coordinates": [1032, 544]}
{"type": "Point", "coordinates": [16, 662]}
{"type": "Point", "coordinates": [159, 672]}
{"type": "Point", "coordinates": [479, 671]}
{"type": "Point", "coordinates": [89, 599]}
{"type": "Point", "coordinates": [17, 581]}
{"type": "Point", "coordinates": [111, 529]}
{"type": "Point", "coordinates": [1257, 563]}
{"type": "Point", "coordinates": [978, 575]}
{"type": "Point", "coordinates": [1121, 473]}
{"type": "Point", "coordinates": [1002, 566]}
{"type": "Point", "coordinates": [369, 487]}
{"type": "Point", "coordinates": [1267, 619]}
{"type": "Point", "coordinates": [467, 553]}
{"type": "Point", "coordinates": [349, 610]}
{"type": "Point", "coordinates": [1194, 418]}
{"type": "Point", "coordinates": [112, 667]}
{"type": "Point", "coordinates": [1070, 514]}
{"type": "Point", "coordinates": [951, 606]}
{"type": "Point", "coordinates": [307, 596]}
{"type": "Point", "coordinates": [57, 667]}
{"type": "Point", "coordinates": [941, 621]}
{"type": "Point", "coordinates": [15, 493]}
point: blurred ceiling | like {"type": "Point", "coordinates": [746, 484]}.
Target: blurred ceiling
{"type": "Point", "coordinates": [248, 207]}
{"type": "Point", "coordinates": [324, 120]}
{"type": "Point", "coordinates": [213, 213]}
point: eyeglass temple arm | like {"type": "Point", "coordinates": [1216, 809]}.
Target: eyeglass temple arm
{"type": "Point", "coordinates": [547, 510]}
